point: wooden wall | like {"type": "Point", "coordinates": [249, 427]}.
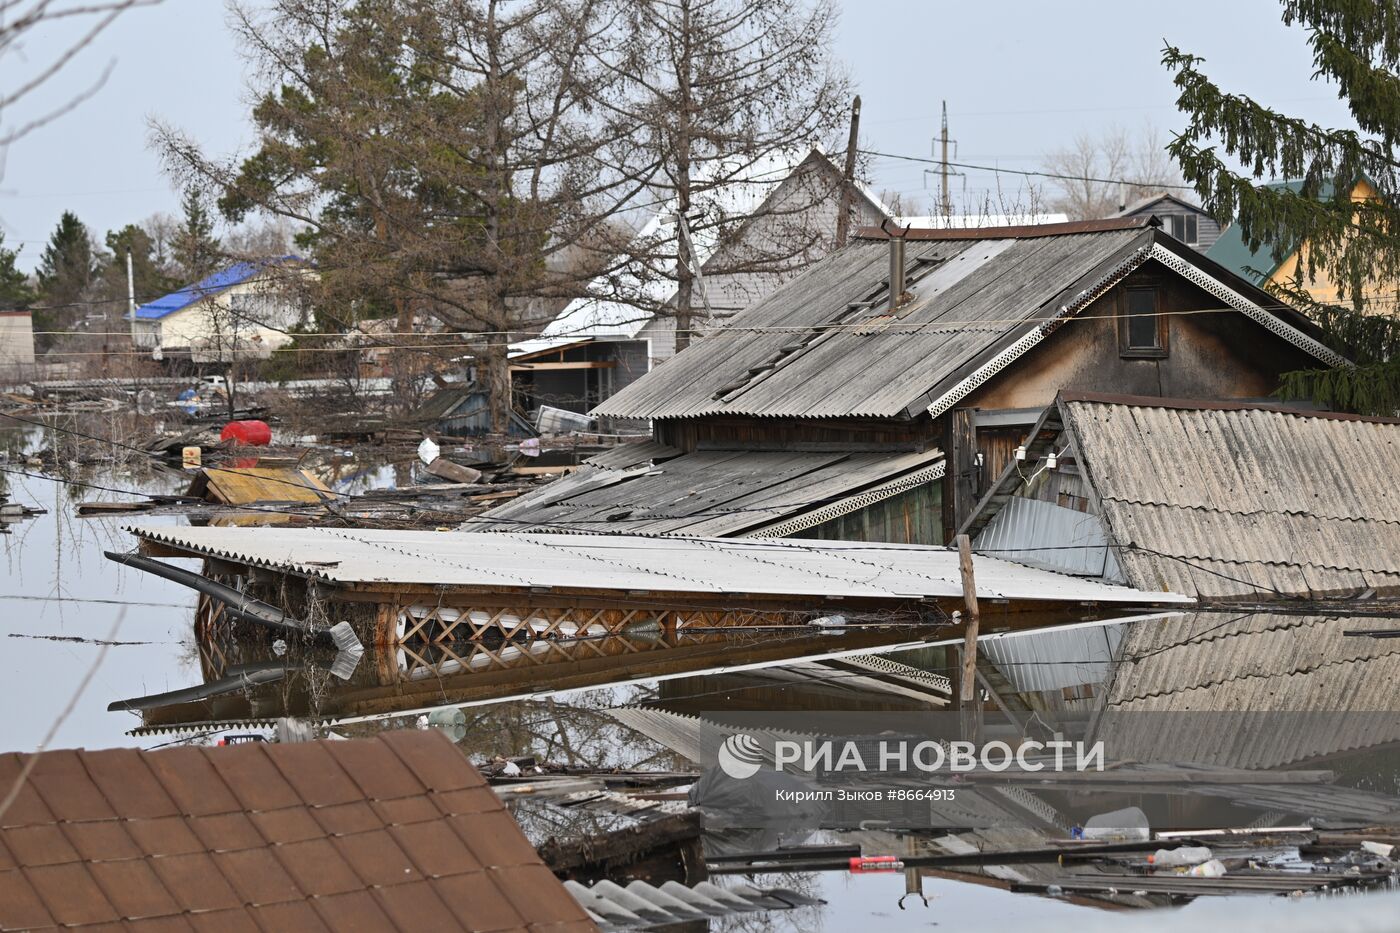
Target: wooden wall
{"type": "Point", "coordinates": [1210, 355]}
{"type": "Point", "coordinates": [912, 517]}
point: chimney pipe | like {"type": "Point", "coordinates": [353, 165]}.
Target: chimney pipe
{"type": "Point", "coordinates": [896, 269]}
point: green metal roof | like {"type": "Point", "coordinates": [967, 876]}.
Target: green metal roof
{"type": "Point", "coordinates": [1258, 266]}
{"type": "Point", "coordinates": [1232, 252]}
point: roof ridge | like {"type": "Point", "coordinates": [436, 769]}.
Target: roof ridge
{"type": "Point", "coordinates": [1017, 232]}
{"type": "Point", "coordinates": [1220, 405]}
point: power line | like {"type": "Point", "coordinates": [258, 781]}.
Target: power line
{"type": "Point", "coordinates": [1012, 171]}
{"type": "Point", "coordinates": [467, 340]}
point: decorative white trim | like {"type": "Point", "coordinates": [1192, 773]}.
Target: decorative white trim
{"type": "Point", "coordinates": [1047, 327]}
{"type": "Point", "coordinates": [851, 504]}
{"type": "Point", "coordinates": [1242, 304]}
{"type": "Point", "coordinates": [876, 663]}
{"type": "Point", "coordinates": [1171, 260]}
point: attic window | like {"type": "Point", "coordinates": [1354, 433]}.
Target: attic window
{"type": "Point", "coordinates": [1142, 329]}
{"type": "Point", "coordinates": [1183, 227]}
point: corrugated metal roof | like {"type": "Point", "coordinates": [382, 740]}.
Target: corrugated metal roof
{"type": "Point", "coordinates": [781, 358]}
{"type": "Point", "coordinates": [236, 274]}
{"type": "Point", "coordinates": [1049, 536]}
{"type": "Point", "coordinates": [397, 832]}
{"type": "Point", "coordinates": [1045, 661]}
{"type": "Point", "coordinates": [625, 562]}
{"type": "Point", "coordinates": [639, 905]}
{"type": "Point", "coordinates": [704, 493]}
{"type": "Point", "coordinates": [1233, 501]}
{"type": "Point", "coordinates": [1257, 265]}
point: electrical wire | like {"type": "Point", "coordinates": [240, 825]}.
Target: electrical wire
{"type": "Point", "coordinates": [469, 338]}
{"type": "Point", "coordinates": [1026, 172]}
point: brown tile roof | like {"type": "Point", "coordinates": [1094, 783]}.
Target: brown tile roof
{"type": "Point", "coordinates": [395, 832]}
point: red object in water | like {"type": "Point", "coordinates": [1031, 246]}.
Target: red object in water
{"type": "Point", "coordinates": [251, 433]}
{"type": "Point", "coordinates": [866, 864]}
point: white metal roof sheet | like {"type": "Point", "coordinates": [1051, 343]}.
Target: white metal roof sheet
{"type": "Point", "coordinates": [769, 567]}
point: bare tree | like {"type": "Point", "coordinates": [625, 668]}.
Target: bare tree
{"type": "Point", "coordinates": [1101, 174]}
{"type": "Point", "coordinates": [24, 20]}
{"type": "Point", "coordinates": [727, 92]}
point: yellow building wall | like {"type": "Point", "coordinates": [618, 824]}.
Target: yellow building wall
{"type": "Point", "coordinates": [1380, 296]}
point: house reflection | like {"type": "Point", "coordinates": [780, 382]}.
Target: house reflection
{"type": "Point", "coordinates": [250, 682]}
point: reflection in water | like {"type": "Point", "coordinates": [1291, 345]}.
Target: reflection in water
{"type": "Point", "coordinates": [252, 681]}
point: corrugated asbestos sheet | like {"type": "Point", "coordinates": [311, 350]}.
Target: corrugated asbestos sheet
{"type": "Point", "coordinates": [716, 493]}
{"type": "Point", "coordinates": [397, 832]}
{"type": "Point", "coordinates": [781, 358]}
{"type": "Point", "coordinates": [1340, 691]}
{"type": "Point", "coordinates": [593, 563]}
{"type": "Point", "coordinates": [1237, 502]}
{"type": "Point", "coordinates": [629, 455]}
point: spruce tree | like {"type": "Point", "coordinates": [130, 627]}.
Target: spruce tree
{"type": "Point", "coordinates": [67, 266]}
{"type": "Point", "coordinates": [195, 249]}
{"type": "Point", "coordinates": [1356, 46]}
{"type": "Point", "coordinates": [15, 293]}
{"type": "Point", "coordinates": [149, 280]}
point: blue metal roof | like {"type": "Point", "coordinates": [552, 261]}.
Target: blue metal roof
{"type": "Point", "coordinates": [236, 274]}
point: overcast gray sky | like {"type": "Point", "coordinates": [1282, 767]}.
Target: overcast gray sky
{"type": "Point", "coordinates": [1021, 78]}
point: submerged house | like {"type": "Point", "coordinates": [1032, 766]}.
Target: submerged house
{"type": "Point", "coordinates": [1222, 501]}
{"type": "Point", "coordinates": [757, 227]}
{"type": "Point", "coordinates": [845, 406]}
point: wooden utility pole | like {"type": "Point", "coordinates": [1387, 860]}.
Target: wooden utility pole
{"type": "Point", "coordinates": [968, 691]}
{"type": "Point", "coordinates": [848, 178]}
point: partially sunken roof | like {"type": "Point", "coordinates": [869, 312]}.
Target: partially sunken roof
{"type": "Point", "coordinates": [724, 493]}
{"type": "Point", "coordinates": [1239, 500]}
{"type": "Point", "coordinates": [627, 563]}
{"type": "Point", "coordinates": [398, 832]}
{"type": "Point", "coordinates": [824, 345]}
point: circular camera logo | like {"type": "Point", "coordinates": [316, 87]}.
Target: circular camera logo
{"type": "Point", "coordinates": [740, 756]}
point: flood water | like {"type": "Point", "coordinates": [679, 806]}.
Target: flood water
{"type": "Point", "coordinates": [65, 608]}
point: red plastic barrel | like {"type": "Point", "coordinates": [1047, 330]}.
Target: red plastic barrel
{"type": "Point", "coordinates": [251, 433]}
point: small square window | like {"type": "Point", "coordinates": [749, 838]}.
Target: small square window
{"type": "Point", "coordinates": [1142, 329]}
{"type": "Point", "coordinates": [1183, 227]}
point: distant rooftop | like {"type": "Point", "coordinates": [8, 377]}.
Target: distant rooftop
{"type": "Point", "coordinates": [236, 274]}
